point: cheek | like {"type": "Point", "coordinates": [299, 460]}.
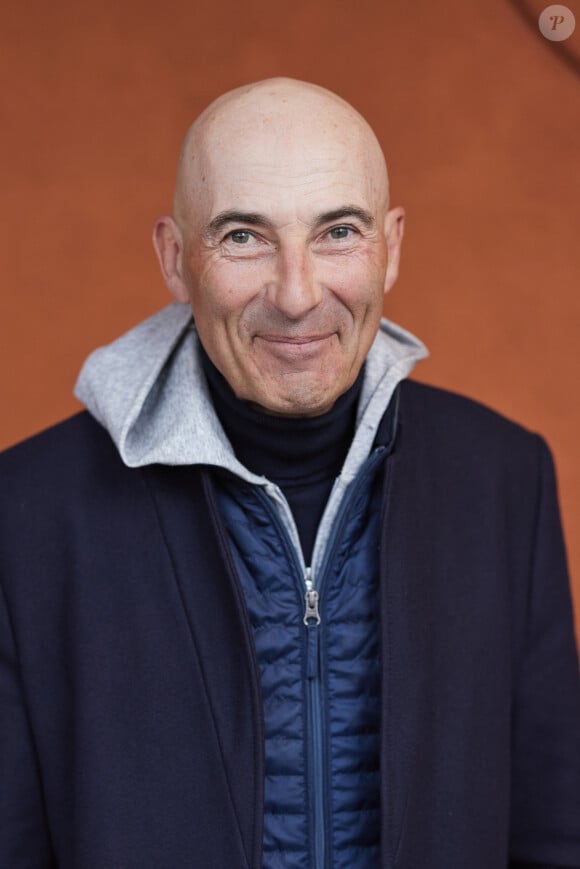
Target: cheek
{"type": "Point", "coordinates": [224, 289]}
{"type": "Point", "coordinates": [358, 280]}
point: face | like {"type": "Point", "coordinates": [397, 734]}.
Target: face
{"type": "Point", "coordinates": [284, 264]}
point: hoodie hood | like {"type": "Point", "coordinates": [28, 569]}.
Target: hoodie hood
{"type": "Point", "coordinates": [149, 391]}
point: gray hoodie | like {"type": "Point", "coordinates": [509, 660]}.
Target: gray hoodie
{"type": "Point", "coordinates": [148, 390]}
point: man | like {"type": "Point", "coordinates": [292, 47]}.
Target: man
{"type": "Point", "coordinates": [269, 603]}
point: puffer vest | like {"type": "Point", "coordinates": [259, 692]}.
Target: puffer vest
{"type": "Point", "coordinates": [318, 651]}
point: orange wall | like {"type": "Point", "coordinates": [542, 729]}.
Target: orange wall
{"type": "Point", "coordinates": [480, 118]}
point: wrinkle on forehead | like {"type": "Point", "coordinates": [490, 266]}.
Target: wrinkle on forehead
{"type": "Point", "coordinates": [281, 129]}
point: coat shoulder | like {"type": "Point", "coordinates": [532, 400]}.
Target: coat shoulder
{"type": "Point", "coordinates": [462, 434]}
{"type": "Point", "coordinates": [64, 444]}
{"type": "Point", "coordinates": [57, 465]}
{"type": "Point", "coordinates": [457, 417]}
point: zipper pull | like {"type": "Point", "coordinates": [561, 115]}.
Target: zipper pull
{"type": "Point", "coordinates": [311, 611]}
{"type": "Point", "coordinates": [311, 620]}
{"type": "Point", "coordinates": [311, 600]}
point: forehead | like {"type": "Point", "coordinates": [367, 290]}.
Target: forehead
{"type": "Point", "coordinates": [276, 166]}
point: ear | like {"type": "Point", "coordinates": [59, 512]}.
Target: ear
{"type": "Point", "coordinates": [394, 230]}
{"type": "Point", "coordinates": [168, 244]}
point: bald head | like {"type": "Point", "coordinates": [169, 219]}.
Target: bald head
{"type": "Point", "coordinates": [281, 125]}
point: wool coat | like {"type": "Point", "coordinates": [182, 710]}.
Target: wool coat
{"type": "Point", "coordinates": [131, 729]}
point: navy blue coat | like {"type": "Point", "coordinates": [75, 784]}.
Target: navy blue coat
{"type": "Point", "coordinates": [130, 711]}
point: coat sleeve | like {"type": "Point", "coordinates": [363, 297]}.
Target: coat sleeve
{"type": "Point", "coordinates": [24, 840]}
{"type": "Point", "coordinates": [545, 819]}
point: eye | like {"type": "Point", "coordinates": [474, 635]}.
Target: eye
{"type": "Point", "coordinates": [239, 236]}
{"type": "Point", "coordinates": [340, 232]}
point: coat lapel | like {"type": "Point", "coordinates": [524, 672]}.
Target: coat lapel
{"type": "Point", "coordinates": [406, 639]}
{"type": "Point", "coordinates": [221, 633]}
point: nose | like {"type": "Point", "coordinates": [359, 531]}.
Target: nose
{"type": "Point", "coordinates": [295, 290]}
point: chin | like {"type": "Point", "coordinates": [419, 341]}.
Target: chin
{"type": "Point", "coordinates": [307, 400]}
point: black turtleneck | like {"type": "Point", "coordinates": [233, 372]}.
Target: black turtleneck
{"type": "Point", "coordinates": [303, 456]}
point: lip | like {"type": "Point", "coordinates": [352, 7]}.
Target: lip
{"type": "Point", "coordinates": [296, 340]}
{"type": "Point", "coordinates": [293, 348]}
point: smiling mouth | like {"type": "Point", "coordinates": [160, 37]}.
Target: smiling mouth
{"type": "Point", "coordinates": [295, 348]}
{"type": "Point", "coordinates": [294, 341]}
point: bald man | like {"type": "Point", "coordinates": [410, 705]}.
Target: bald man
{"type": "Point", "coordinates": [267, 602]}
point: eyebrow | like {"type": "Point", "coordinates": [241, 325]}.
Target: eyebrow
{"type": "Point", "coordinates": [253, 218]}
{"type": "Point", "coordinates": [346, 211]}
{"type": "Point", "coordinates": [224, 217]}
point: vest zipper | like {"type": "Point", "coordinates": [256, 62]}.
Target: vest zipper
{"type": "Point", "coordinates": [316, 767]}
{"type": "Point", "coordinates": [315, 722]}
{"type": "Point", "coordinates": [312, 620]}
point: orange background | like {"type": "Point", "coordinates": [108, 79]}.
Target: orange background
{"type": "Point", "coordinates": [480, 119]}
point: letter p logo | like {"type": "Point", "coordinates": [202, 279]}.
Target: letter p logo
{"type": "Point", "coordinates": [557, 23]}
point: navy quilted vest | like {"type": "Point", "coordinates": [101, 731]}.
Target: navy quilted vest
{"type": "Point", "coordinates": [320, 681]}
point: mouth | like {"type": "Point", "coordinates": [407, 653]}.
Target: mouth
{"type": "Point", "coordinates": [296, 340]}
{"type": "Point", "coordinates": [296, 346]}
